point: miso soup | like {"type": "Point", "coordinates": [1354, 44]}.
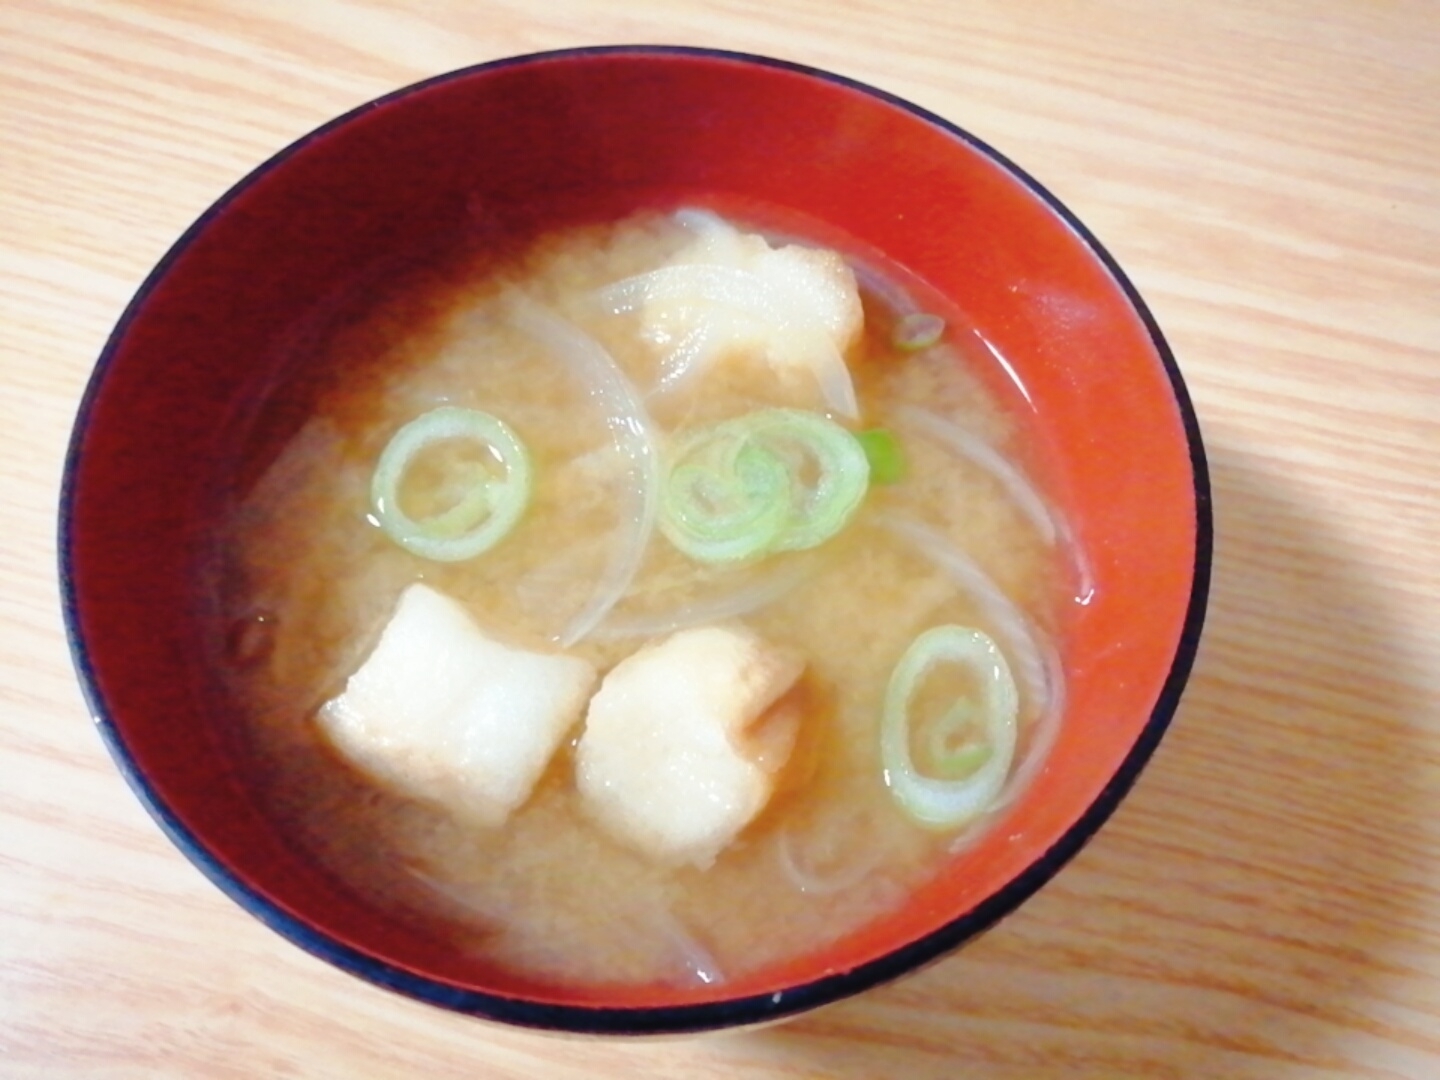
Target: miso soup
{"type": "Point", "coordinates": [636, 364]}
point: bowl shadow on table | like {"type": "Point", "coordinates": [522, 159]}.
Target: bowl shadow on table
{"type": "Point", "coordinates": [1245, 912]}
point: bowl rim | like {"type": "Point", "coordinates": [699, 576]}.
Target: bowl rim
{"type": "Point", "coordinates": [654, 1019]}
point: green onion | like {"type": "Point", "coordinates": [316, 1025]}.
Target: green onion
{"type": "Point", "coordinates": [882, 450]}
{"type": "Point", "coordinates": [489, 508]}
{"type": "Point", "coordinates": [975, 773]}
{"type": "Point", "coordinates": [951, 756]}
{"type": "Point", "coordinates": [738, 489]}
{"type": "Point", "coordinates": [916, 331]}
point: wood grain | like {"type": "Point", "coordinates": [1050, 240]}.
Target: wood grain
{"type": "Point", "coordinates": [1266, 904]}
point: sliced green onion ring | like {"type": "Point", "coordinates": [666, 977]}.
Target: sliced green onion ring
{"type": "Point", "coordinates": [950, 757]}
{"type": "Point", "coordinates": [951, 802]}
{"type": "Point", "coordinates": [918, 331]}
{"type": "Point", "coordinates": [738, 489]}
{"type": "Point", "coordinates": [488, 510]}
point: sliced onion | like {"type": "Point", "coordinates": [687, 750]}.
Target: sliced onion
{"type": "Point", "coordinates": [1032, 656]}
{"type": "Point", "coordinates": [748, 598]}
{"type": "Point", "coordinates": [1043, 731]}
{"type": "Point", "coordinates": [836, 386]}
{"type": "Point", "coordinates": [1040, 740]}
{"type": "Point", "coordinates": [480, 519]}
{"type": "Point", "coordinates": [948, 803]}
{"type": "Point", "coordinates": [1080, 562]}
{"type": "Point", "coordinates": [845, 875]}
{"type": "Point", "coordinates": [980, 453]}
{"type": "Point", "coordinates": [699, 964]}
{"type": "Point", "coordinates": [734, 490]}
{"type": "Point", "coordinates": [467, 901]}
{"type": "Point", "coordinates": [633, 433]}
{"type": "Point", "coordinates": [1048, 523]}
{"type": "Point", "coordinates": [690, 358]}
{"type": "Point", "coordinates": [1009, 623]}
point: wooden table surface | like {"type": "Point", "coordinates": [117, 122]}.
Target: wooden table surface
{"type": "Point", "coordinates": [1265, 904]}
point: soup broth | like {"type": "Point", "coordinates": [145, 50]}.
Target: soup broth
{"type": "Point", "coordinates": [304, 581]}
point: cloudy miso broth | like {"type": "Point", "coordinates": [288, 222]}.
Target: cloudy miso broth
{"type": "Point", "coordinates": [568, 344]}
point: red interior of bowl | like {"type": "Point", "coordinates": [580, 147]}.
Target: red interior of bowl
{"type": "Point", "coordinates": [541, 142]}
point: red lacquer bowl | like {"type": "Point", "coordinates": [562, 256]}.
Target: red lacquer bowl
{"type": "Point", "coordinates": [575, 136]}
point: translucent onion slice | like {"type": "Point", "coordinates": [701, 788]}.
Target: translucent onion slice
{"type": "Point", "coordinates": [736, 490]}
{"type": "Point", "coordinates": [1043, 732]}
{"type": "Point", "coordinates": [633, 434]}
{"type": "Point", "coordinates": [825, 877]}
{"type": "Point", "coordinates": [1049, 524]}
{"type": "Point", "coordinates": [1032, 657]}
{"type": "Point", "coordinates": [698, 963]}
{"type": "Point", "coordinates": [465, 901]}
{"type": "Point", "coordinates": [1009, 623]}
{"type": "Point", "coordinates": [691, 357]}
{"type": "Point", "coordinates": [483, 516]}
{"type": "Point", "coordinates": [978, 452]}
{"type": "Point", "coordinates": [836, 386]}
{"type": "Point", "coordinates": [948, 803]}
{"type": "Point", "coordinates": [757, 593]}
